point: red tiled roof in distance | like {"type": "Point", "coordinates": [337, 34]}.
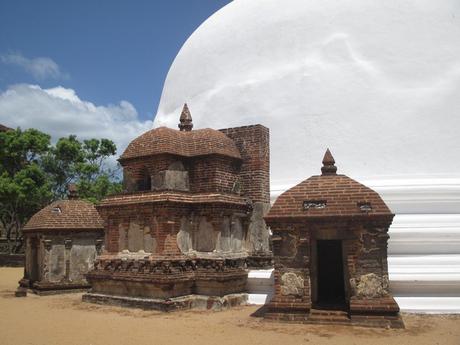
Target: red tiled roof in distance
{"type": "Point", "coordinates": [72, 214]}
{"type": "Point", "coordinates": [191, 143]}
{"type": "Point", "coordinates": [4, 128]}
{"type": "Point", "coordinates": [342, 197]}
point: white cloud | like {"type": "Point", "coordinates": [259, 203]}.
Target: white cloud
{"type": "Point", "coordinates": [40, 68]}
{"type": "Point", "coordinates": [60, 112]}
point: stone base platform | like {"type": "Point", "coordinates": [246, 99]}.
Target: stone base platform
{"type": "Point", "coordinates": [47, 288]}
{"type": "Point", "coordinates": [60, 291]}
{"type": "Point", "coordinates": [202, 302]}
{"type": "Point", "coordinates": [337, 317]}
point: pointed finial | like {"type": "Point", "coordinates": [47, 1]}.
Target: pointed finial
{"type": "Point", "coordinates": [185, 119]}
{"type": "Point", "coordinates": [72, 192]}
{"type": "Point", "coordinates": [328, 167]}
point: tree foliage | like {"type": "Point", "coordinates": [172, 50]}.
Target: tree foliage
{"type": "Point", "coordinates": [33, 173]}
{"type": "Point", "coordinates": [24, 187]}
{"type": "Point", "coordinates": [83, 162]}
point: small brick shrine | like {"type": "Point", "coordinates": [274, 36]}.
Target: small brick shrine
{"type": "Point", "coordinates": [61, 244]}
{"type": "Point", "coordinates": [190, 221]}
{"type": "Point", "coordinates": [330, 237]}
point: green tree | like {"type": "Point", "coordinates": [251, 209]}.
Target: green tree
{"type": "Point", "coordinates": [83, 163]}
{"type": "Point", "coordinates": [24, 187]}
{"type": "Point", "coordinates": [96, 179]}
{"type": "Point", "coordinates": [33, 173]}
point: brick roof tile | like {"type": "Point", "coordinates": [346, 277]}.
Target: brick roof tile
{"type": "Point", "coordinates": [182, 143]}
{"type": "Point", "coordinates": [74, 214]}
{"type": "Point", "coordinates": [341, 194]}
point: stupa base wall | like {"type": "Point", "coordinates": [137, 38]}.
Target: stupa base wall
{"type": "Point", "coordinates": [201, 302]}
{"type": "Point", "coordinates": [168, 284]}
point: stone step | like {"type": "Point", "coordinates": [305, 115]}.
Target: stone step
{"type": "Point", "coordinates": [325, 315]}
{"type": "Point", "coordinates": [331, 312]}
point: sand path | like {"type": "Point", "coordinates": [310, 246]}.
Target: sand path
{"type": "Point", "coordinates": [64, 319]}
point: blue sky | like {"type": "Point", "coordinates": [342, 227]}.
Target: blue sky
{"type": "Point", "coordinates": [104, 51]}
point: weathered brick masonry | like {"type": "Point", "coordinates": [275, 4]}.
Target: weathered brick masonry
{"type": "Point", "coordinates": [330, 238]}
{"type": "Point", "coordinates": [61, 243]}
{"type": "Point", "coordinates": [190, 220]}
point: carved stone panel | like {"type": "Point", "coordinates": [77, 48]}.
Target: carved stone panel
{"type": "Point", "coordinates": [184, 237]}
{"type": "Point", "coordinates": [57, 263]}
{"type": "Point", "coordinates": [370, 286]}
{"type": "Point", "coordinates": [122, 238]}
{"type": "Point", "coordinates": [135, 237]}
{"type": "Point", "coordinates": [82, 257]}
{"type": "Point", "coordinates": [292, 284]}
{"type": "Point", "coordinates": [150, 243]}
{"type": "Point", "coordinates": [225, 235]}
{"type": "Point", "coordinates": [204, 240]}
{"type": "Point", "coordinates": [237, 234]}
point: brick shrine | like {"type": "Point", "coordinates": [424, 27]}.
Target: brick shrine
{"type": "Point", "coordinates": [61, 244]}
{"type": "Point", "coordinates": [330, 237]}
{"type": "Point", "coordinates": [190, 221]}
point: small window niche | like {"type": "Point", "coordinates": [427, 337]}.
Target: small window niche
{"type": "Point", "coordinates": [365, 206]}
{"type": "Point", "coordinates": [314, 204]}
{"type": "Point", "coordinates": [56, 210]}
{"type": "Point", "coordinates": [145, 183]}
{"type": "Point", "coordinates": [174, 178]}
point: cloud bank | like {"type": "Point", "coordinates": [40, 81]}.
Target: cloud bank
{"type": "Point", "coordinates": [40, 68]}
{"type": "Point", "coordinates": [60, 112]}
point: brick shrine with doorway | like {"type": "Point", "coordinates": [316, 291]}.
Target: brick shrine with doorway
{"type": "Point", "coordinates": [330, 237]}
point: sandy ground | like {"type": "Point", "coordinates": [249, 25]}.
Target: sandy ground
{"type": "Point", "coordinates": [64, 319]}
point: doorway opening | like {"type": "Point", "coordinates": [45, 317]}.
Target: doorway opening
{"type": "Point", "coordinates": [331, 287]}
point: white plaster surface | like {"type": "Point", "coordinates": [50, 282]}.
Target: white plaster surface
{"type": "Point", "coordinates": [378, 82]}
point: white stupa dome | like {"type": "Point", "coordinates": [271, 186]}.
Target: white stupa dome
{"type": "Point", "coordinates": [378, 82]}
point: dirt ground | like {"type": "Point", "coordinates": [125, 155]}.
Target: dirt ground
{"type": "Point", "coordinates": [65, 319]}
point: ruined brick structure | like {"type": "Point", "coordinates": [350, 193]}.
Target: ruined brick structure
{"type": "Point", "coordinates": [330, 237]}
{"type": "Point", "coordinates": [61, 243]}
{"type": "Point", "coordinates": [190, 221]}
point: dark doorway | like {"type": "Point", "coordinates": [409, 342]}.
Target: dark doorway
{"type": "Point", "coordinates": [331, 290]}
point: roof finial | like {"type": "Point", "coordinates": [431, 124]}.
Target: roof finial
{"type": "Point", "coordinates": [185, 119]}
{"type": "Point", "coordinates": [328, 167]}
{"type": "Point", "coordinates": [72, 192]}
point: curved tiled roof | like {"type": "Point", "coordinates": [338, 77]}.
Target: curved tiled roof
{"type": "Point", "coordinates": [328, 195]}
{"type": "Point", "coordinates": [182, 143]}
{"type": "Point", "coordinates": [342, 197]}
{"type": "Point", "coordinates": [66, 215]}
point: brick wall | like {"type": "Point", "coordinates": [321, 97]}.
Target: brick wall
{"type": "Point", "coordinates": [162, 221]}
{"type": "Point", "coordinates": [253, 143]}
{"type": "Point", "coordinates": [211, 173]}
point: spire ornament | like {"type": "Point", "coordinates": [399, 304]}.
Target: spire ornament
{"type": "Point", "coordinates": [185, 120]}
{"type": "Point", "coordinates": [72, 193]}
{"type": "Point", "coordinates": [328, 167]}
